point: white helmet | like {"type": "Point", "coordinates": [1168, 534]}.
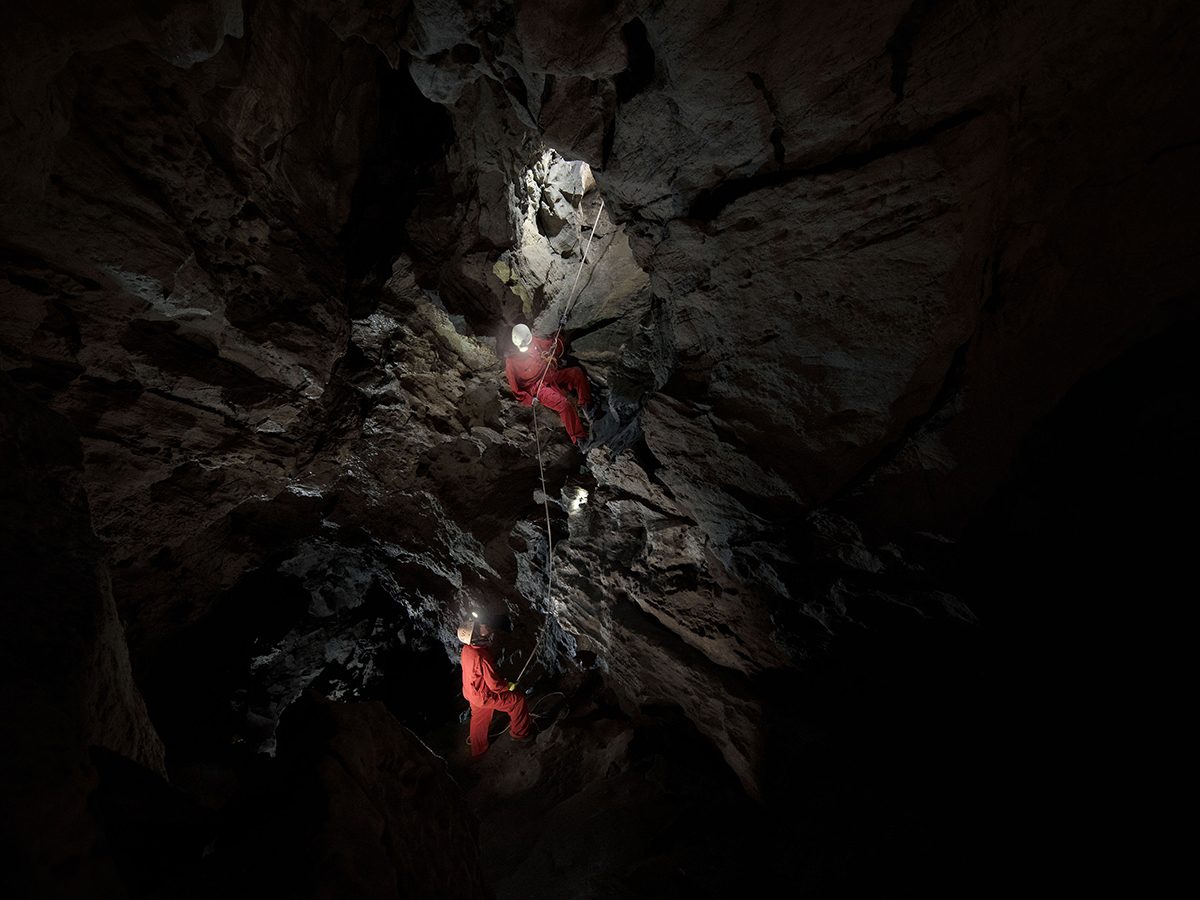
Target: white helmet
{"type": "Point", "coordinates": [466, 631]}
{"type": "Point", "coordinates": [522, 337]}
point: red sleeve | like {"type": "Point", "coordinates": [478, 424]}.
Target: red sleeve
{"type": "Point", "coordinates": [521, 395]}
{"type": "Point", "coordinates": [490, 679]}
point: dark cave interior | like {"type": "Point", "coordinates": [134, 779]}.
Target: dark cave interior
{"type": "Point", "coordinates": [871, 582]}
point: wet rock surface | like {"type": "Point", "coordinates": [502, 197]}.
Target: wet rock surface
{"type": "Point", "coordinates": [258, 265]}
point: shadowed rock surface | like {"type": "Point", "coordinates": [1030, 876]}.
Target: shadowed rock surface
{"type": "Point", "coordinates": [67, 683]}
{"type": "Point", "coordinates": [858, 280]}
{"type": "Point", "coordinates": [358, 807]}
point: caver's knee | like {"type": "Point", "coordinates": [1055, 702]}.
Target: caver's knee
{"type": "Point", "coordinates": [552, 398]}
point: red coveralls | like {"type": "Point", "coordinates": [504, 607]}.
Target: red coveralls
{"type": "Point", "coordinates": [524, 370]}
{"type": "Point", "coordinates": [487, 693]}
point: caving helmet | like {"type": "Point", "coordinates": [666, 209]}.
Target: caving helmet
{"type": "Point", "coordinates": [522, 337]}
{"type": "Point", "coordinates": [466, 631]}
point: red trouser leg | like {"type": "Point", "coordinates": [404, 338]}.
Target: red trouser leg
{"type": "Point", "coordinates": [574, 379]}
{"type": "Point", "coordinates": [553, 398]}
{"type": "Point", "coordinates": [518, 711]}
{"type": "Point", "coordinates": [481, 720]}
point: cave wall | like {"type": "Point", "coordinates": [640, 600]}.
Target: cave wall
{"type": "Point", "coordinates": [67, 682]}
{"type": "Point", "coordinates": [262, 258]}
{"type": "Point", "coordinates": [879, 246]}
{"type": "Point", "coordinates": [163, 248]}
{"type": "Point", "coordinates": [880, 250]}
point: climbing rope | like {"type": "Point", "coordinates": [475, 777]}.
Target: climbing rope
{"type": "Point", "coordinates": [538, 436]}
{"type": "Point", "coordinates": [570, 297]}
{"type": "Point", "coordinates": [543, 710]}
{"type": "Point", "coordinates": [549, 538]}
{"type": "Point", "coordinates": [540, 709]}
{"type": "Point", "coordinates": [549, 710]}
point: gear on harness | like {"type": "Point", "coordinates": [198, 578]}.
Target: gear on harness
{"type": "Point", "coordinates": [536, 375]}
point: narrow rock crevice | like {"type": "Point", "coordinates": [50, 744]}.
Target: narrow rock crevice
{"type": "Point", "coordinates": [640, 72]}
{"type": "Point", "coordinates": [900, 45]}
{"type": "Point", "coordinates": [776, 136]}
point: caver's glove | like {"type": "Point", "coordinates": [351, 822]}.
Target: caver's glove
{"type": "Point", "coordinates": [512, 686]}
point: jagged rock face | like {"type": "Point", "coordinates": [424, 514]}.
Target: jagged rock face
{"type": "Point", "coordinates": [264, 261]}
{"type": "Point", "coordinates": [173, 229]}
{"type": "Point", "coordinates": [836, 220]}
{"type": "Point", "coordinates": [875, 260]}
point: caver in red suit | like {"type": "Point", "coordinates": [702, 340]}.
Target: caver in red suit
{"type": "Point", "coordinates": [486, 693]}
{"type": "Point", "coordinates": [524, 369]}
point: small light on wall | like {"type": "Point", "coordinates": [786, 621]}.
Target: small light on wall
{"type": "Point", "coordinates": [580, 499]}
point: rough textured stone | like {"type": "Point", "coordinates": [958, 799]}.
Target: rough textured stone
{"type": "Point", "coordinates": [265, 261]}
{"type": "Point", "coordinates": [836, 239]}
{"type": "Point", "coordinates": [194, 390]}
